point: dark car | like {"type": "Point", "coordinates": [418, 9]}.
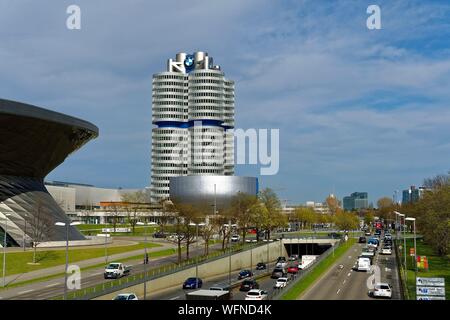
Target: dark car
{"type": "Point", "coordinates": [192, 283]}
{"type": "Point", "coordinates": [334, 235]}
{"type": "Point", "coordinates": [281, 259]}
{"type": "Point", "coordinates": [245, 274]}
{"type": "Point", "coordinates": [159, 234]}
{"type": "Point", "coordinates": [248, 285]}
{"type": "Point", "coordinates": [278, 272]}
{"type": "Point", "coordinates": [362, 240]}
{"type": "Point", "coordinates": [261, 266]}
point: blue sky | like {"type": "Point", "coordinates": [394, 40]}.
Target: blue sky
{"type": "Point", "coordinates": [357, 109]}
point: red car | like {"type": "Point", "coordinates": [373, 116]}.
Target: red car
{"type": "Point", "coordinates": [292, 269]}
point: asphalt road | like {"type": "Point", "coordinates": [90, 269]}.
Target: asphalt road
{"type": "Point", "coordinates": [342, 282]}
{"type": "Point", "coordinates": [51, 288]}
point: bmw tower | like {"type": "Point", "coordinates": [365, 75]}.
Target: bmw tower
{"type": "Point", "coordinates": [193, 106]}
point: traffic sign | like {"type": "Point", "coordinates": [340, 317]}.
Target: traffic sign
{"type": "Point", "coordinates": [430, 298]}
{"type": "Point", "coordinates": [431, 291]}
{"type": "Point", "coordinates": [430, 282]}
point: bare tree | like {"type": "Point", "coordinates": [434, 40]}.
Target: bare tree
{"type": "Point", "coordinates": [41, 226]}
{"type": "Point", "coordinates": [134, 206]}
{"type": "Point", "coordinates": [113, 210]}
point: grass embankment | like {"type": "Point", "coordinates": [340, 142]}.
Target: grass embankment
{"type": "Point", "coordinates": [19, 262]}
{"type": "Point", "coordinates": [438, 267]}
{"type": "Point", "coordinates": [318, 270]}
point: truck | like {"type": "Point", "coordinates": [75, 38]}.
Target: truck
{"type": "Point", "coordinates": [307, 260]}
{"type": "Point", "coordinates": [204, 294]}
{"type": "Point", "coordinates": [116, 270]}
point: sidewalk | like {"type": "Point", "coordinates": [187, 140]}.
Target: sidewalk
{"type": "Point", "coordinates": [82, 264]}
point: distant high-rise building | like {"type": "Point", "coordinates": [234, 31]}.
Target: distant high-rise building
{"type": "Point", "coordinates": [412, 194]}
{"type": "Point", "coordinates": [356, 201]}
{"type": "Point", "coordinates": [193, 106]}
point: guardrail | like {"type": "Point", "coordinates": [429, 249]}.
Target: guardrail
{"type": "Point", "coordinates": [136, 279]}
{"type": "Point", "coordinates": [295, 278]}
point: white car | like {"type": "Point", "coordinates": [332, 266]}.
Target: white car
{"type": "Point", "coordinates": [382, 290]}
{"type": "Point", "coordinates": [281, 283]}
{"type": "Point", "coordinates": [386, 251]}
{"type": "Point", "coordinates": [256, 294]}
{"type": "Point", "coordinates": [126, 296]}
{"type": "Point", "coordinates": [281, 264]}
{"type": "Point", "coordinates": [235, 238]}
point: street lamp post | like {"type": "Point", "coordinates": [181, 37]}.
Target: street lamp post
{"type": "Point", "coordinates": [145, 254]}
{"type": "Point", "coordinates": [64, 224]}
{"type": "Point", "coordinates": [229, 225]}
{"type": "Point", "coordinates": [196, 260]}
{"type": "Point", "coordinates": [415, 243]}
{"type": "Point", "coordinates": [25, 231]}
{"type": "Point", "coordinates": [4, 248]}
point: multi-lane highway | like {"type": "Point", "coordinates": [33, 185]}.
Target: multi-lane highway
{"type": "Point", "coordinates": [343, 282]}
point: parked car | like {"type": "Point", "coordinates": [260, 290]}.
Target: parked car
{"type": "Point", "coordinates": [281, 283]}
{"type": "Point", "coordinates": [256, 294]}
{"type": "Point", "coordinates": [362, 240]}
{"type": "Point", "coordinates": [382, 290]}
{"type": "Point", "coordinates": [278, 272]}
{"type": "Point", "coordinates": [245, 274]}
{"type": "Point", "coordinates": [387, 251]}
{"type": "Point", "coordinates": [159, 234]}
{"type": "Point", "coordinates": [192, 283]}
{"type": "Point", "coordinates": [126, 296]}
{"type": "Point", "coordinates": [235, 238]}
{"type": "Point", "coordinates": [248, 285]}
{"type": "Point", "coordinates": [292, 269]}
{"type": "Point", "coordinates": [261, 266]}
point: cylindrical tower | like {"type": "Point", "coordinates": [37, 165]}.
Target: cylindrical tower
{"type": "Point", "coordinates": [193, 106]}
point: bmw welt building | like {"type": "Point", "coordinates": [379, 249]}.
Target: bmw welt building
{"type": "Point", "coordinates": [193, 108]}
{"type": "Point", "coordinates": [34, 141]}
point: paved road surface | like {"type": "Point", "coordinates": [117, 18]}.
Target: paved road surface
{"type": "Point", "coordinates": [341, 282]}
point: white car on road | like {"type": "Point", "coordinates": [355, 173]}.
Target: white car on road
{"type": "Point", "coordinates": [386, 251]}
{"type": "Point", "coordinates": [382, 290]}
{"type": "Point", "coordinates": [256, 294]}
{"type": "Point", "coordinates": [281, 283]}
{"type": "Point", "coordinates": [126, 296]}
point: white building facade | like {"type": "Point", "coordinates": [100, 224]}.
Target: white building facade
{"type": "Point", "coordinates": [192, 108]}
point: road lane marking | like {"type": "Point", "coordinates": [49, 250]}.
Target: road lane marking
{"type": "Point", "coordinates": [349, 274]}
{"type": "Point", "coordinates": [52, 285]}
{"type": "Point", "coordinates": [344, 282]}
{"type": "Point", "coordinates": [349, 257]}
{"type": "Point", "coordinates": [174, 298]}
{"type": "Point", "coordinates": [23, 292]}
{"type": "Point", "coordinates": [338, 291]}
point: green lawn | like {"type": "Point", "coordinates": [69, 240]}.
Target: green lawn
{"type": "Point", "coordinates": [304, 283]}
{"type": "Point", "coordinates": [17, 262]}
{"type": "Point", "coordinates": [438, 267]}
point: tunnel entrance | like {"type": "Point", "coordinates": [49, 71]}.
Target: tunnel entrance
{"type": "Point", "coordinates": [306, 248]}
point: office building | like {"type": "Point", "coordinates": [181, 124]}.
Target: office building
{"type": "Point", "coordinates": [193, 106]}
{"type": "Point", "coordinates": [412, 194]}
{"type": "Point", "coordinates": [356, 201]}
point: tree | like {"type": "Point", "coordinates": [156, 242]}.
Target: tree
{"type": "Point", "coordinates": [369, 218]}
{"type": "Point", "coordinates": [437, 182]}
{"type": "Point", "coordinates": [114, 211]}
{"type": "Point", "coordinates": [167, 213]}
{"type": "Point", "coordinates": [239, 209]}
{"type": "Point", "coordinates": [134, 203]}
{"type": "Point", "coordinates": [186, 214]}
{"type": "Point", "coordinates": [273, 206]}
{"type": "Point", "coordinates": [433, 217]}
{"type": "Point", "coordinates": [41, 226]}
{"type": "Point", "coordinates": [346, 220]}
{"type": "Point", "coordinates": [333, 204]}
{"type": "Point", "coordinates": [304, 216]}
